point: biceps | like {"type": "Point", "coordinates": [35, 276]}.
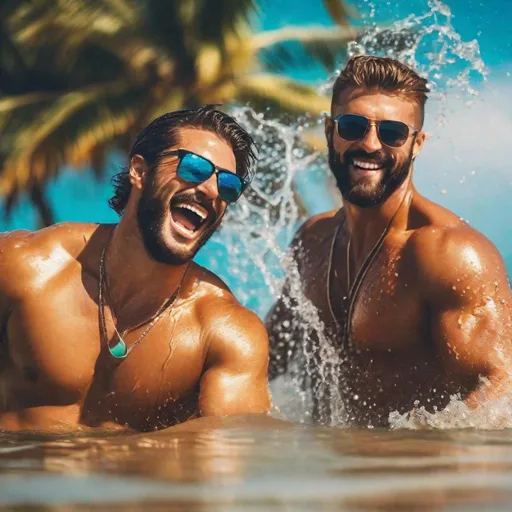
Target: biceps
{"type": "Point", "coordinates": [225, 393]}
{"type": "Point", "coordinates": [470, 341]}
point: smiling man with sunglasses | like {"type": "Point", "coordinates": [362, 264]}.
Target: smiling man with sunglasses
{"type": "Point", "coordinates": [115, 326]}
{"type": "Point", "coordinates": [415, 302]}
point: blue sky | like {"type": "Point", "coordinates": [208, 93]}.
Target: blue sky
{"type": "Point", "coordinates": [465, 165]}
{"type": "Point", "coordinates": [486, 20]}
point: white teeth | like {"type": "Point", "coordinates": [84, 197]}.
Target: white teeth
{"type": "Point", "coordinates": [194, 209]}
{"type": "Point", "coordinates": [366, 165]}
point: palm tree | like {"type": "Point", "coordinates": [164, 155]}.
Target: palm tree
{"type": "Point", "coordinates": [80, 77]}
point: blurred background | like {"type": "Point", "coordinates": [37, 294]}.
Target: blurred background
{"type": "Point", "coordinates": [80, 78]}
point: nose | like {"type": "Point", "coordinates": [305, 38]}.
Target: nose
{"type": "Point", "coordinates": [209, 187]}
{"type": "Point", "coordinates": [371, 142]}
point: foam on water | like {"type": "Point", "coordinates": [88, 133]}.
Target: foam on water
{"type": "Point", "coordinates": [259, 228]}
{"type": "Point", "coordinates": [490, 415]}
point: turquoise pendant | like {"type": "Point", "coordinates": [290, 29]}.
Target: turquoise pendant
{"type": "Point", "coordinates": [119, 350]}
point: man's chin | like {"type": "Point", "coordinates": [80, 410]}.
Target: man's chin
{"type": "Point", "coordinates": [168, 249]}
{"type": "Point", "coordinates": [184, 248]}
{"type": "Point", "coordinates": [180, 249]}
{"type": "Point", "coordinates": [363, 195]}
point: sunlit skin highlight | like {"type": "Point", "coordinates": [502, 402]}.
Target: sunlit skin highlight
{"type": "Point", "coordinates": [433, 313]}
{"type": "Point", "coordinates": [207, 357]}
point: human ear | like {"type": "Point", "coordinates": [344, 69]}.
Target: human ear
{"type": "Point", "coordinates": [138, 171]}
{"type": "Point", "coordinates": [329, 127]}
{"type": "Point", "coordinates": [419, 140]}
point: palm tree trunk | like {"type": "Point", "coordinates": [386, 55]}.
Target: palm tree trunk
{"type": "Point", "coordinates": [40, 202]}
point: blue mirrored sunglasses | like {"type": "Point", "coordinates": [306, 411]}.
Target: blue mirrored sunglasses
{"type": "Point", "coordinates": [197, 169]}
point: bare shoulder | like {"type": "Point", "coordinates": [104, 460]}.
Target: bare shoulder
{"type": "Point", "coordinates": [71, 236]}
{"type": "Point", "coordinates": [231, 329]}
{"type": "Point", "coordinates": [28, 255]}
{"type": "Point", "coordinates": [449, 256]}
{"type": "Point", "coordinates": [318, 227]}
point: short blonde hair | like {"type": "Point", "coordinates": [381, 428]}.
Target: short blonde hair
{"type": "Point", "coordinates": [383, 73]}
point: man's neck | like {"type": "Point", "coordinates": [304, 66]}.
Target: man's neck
{"type": "Point", "coordinates": [136, 282]}
{"type": "Point", "coordinates": [366, 225]}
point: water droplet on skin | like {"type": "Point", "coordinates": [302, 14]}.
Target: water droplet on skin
{"type": "Point", "coordinates": [454, 287]}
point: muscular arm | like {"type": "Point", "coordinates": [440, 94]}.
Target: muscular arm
{"type": "Point", "coordinates": [235, 381]}
{"type": "Point", "coordinates": [469, 300]}
{"type": "Point", "coordinates": [7, 243]}
{"type": "Point", "coordinates": [13, 275]}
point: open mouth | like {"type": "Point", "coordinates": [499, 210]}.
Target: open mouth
{"type": "Point", "coordinates": [188, 218]}
{"type": "Point", "coordinates": [366, 166]}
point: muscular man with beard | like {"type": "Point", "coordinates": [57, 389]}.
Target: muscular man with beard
{"type": "Point", "coordinates": [115, 325]}
{"type": "Point", "coordinates": [415, 303]}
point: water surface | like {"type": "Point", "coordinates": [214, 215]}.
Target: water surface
{"type": "Point", "coordinates": [253, 464]}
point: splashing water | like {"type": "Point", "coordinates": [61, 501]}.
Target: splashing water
{"type": "Point", "coordinates": [491, 415]}
{"type": "Point", "coordinates": [430, 44]}
{"type": "Point", "coordinates": [259, 228]}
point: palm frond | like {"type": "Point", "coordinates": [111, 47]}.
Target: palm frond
{"type": "Point", "coordinates": [216, 18]}
{"type": "Point", "coordinates": [338, 11]}
{"type": "Point", "coordinates": [8, 104]}
{"type": "Point", "coordinates": [78, 35]}
{"type": "Point", "coordinates": [79, 77]}
{"type": "Point", "coordinates": [299, 47]}
{"type": "Point", "coordinates": [70, 130]}
{"type": "Point", "coordinates": [270, 91]}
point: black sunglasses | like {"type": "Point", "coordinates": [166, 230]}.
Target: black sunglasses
{"type": "Point", "coordinates": [197, 169]}
{"type": "Point", "coordinates": [352, 127]}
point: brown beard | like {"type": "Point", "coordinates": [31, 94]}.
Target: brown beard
{"type": "Point", "coordinates": [153, 212]}
{"type": "Point", "coordinates": [357, 193]}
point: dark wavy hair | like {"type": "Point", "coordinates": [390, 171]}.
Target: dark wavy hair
{"type": "Point", "coordinates": [162, 134]}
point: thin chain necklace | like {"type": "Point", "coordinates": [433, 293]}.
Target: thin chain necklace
{"type": "Point", "coordinates": [120, 350]}
{"type": "Point", "coordinates": [353, 290]}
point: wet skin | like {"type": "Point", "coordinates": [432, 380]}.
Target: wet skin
{"type": "Point", "coordinates": [208, 356]}
{"type": "Point", "coordinates": [433, 314]}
